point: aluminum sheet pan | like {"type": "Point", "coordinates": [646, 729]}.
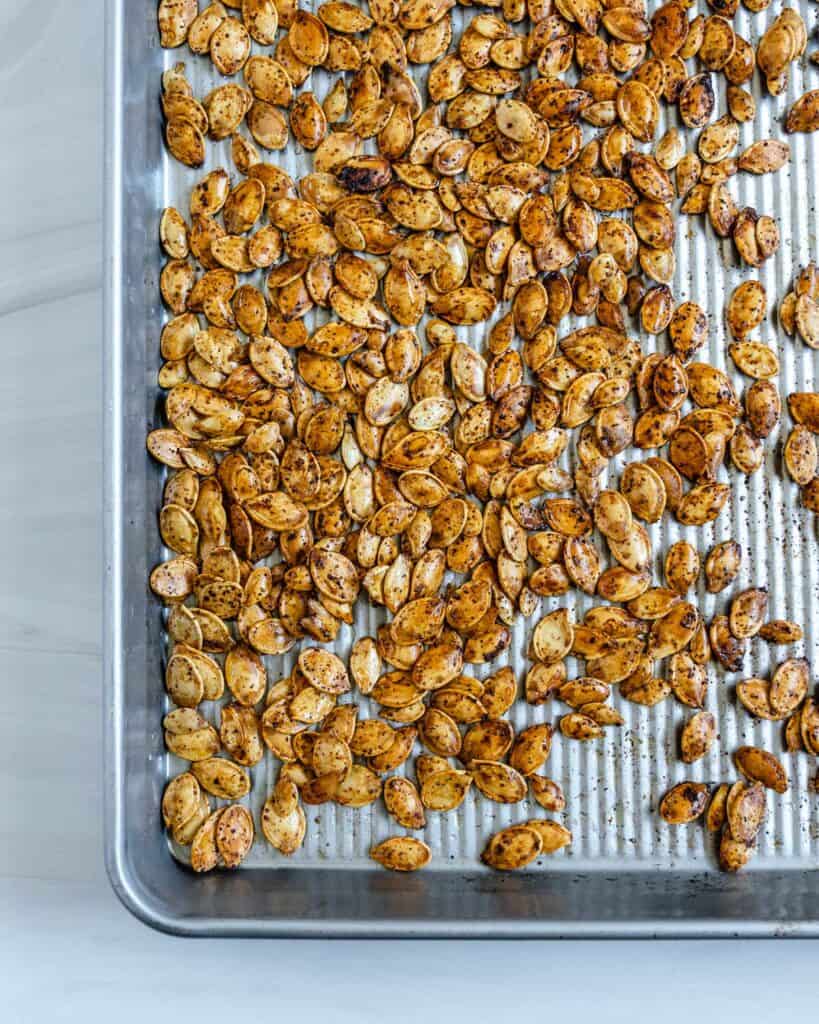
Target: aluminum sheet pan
{"type": "Point", "coordinates": [612, 787]}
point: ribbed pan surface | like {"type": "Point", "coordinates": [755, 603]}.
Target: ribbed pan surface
{"type": "Point", "coordinates": [612, 786]}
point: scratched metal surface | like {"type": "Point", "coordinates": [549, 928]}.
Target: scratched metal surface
{"type": "Point", "coordinates": [612, 786]}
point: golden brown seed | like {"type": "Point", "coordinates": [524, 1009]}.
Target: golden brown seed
{"type": "Point", "coordinates": [748, 613]}
{"type": "Point", "coordinates": [722, 565]}
{"type": "Point", "coordinates": [682, 566]}
{"type": "Point", "coordinates": [745, 810]}
{"type": "Point", "coordinates": [512, 848]}
{"type": "Point", "coordinates": [727, 648]}
{"type": "Point", "coordinates": [547, 793]}
{"type": "Point", "coordinates": [499, 782]}
{"type": "Point", "coordinates": [684, 803]}
{"type": "Point", "coordinates": [697, 736]}
{"type": "Point", "coordinates": [174, 18]}
{"type": "Point", "coordinates": [554, 836]}
{"type": "Point", "coordinates": [789, 686]}
{"type": "Point", "coordinates": [803, 116]}
{"type": "Point", "coordinates": [746, 308]}
{"type": "Point", "coordinates": [445, 789]}
{"type": "Point", "coordinates": [402, 853]}
{"type": "Point", "coordinates": [760, 766]}
{"type": "Point", "coordinates": [687, 679]}
{"type": "Point", "coordinates": [754, 695]}
{"type": "Point", "coordinates": [696, 101]}
{"type": "Point", "coordinates": [733, 853]}
{"type": "Point", "coordinates": [716, 814]}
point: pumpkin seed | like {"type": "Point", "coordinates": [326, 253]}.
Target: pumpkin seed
{"type": "Point", "coordinates": [684, 803]}
{"type": "Point", "coordinates": [402, 853]}
{"type": "Point", "coordinates": [760, 766]}
{"type": "Point", "coordinates": [283, 821]}
{"type": "Point", "coordinates": [512, 848]}
{"type": "Point", "coordinates": [403, 803]}
{"type": "Point", "coordinates": [698, 736]}
{"type": "Point", "coordinates": [221, 777]}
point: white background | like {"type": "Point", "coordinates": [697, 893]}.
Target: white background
{"type": "Point", "coordinates": [68, 951]}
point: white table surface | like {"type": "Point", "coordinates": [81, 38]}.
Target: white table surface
{"type": "Point", "coordinates": [68, 951]}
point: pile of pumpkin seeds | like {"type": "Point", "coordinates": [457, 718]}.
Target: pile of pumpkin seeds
{"type": "Point", "coordinates": [329, 437]}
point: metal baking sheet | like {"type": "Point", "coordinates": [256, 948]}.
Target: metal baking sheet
{"type": "Point", "coordinates": [625, 872]}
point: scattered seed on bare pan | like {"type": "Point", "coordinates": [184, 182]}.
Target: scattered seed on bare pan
{"type": "Point", "coordinates": [754, 359]}
{"type": "Point", "coordinates": [804, 408]}
{"type": "Point", "coordinates": [612, 515]}
{"type": "Point", "coordinates": [184, 834]}
{"type": "Point", "coordinates": [722, 565]}
{"type": "Point", "coordinates": [801, 455]}
{"type": "Point", "coordinates": [183, 681]}
{"type": "Point", "coordinates": [747, 451]}
{"type": "Point", "coordinates": [173, 580]}
{"type": "Point", "coordinates": [759, 765]}
{"type": "Point", "coordinates": [792, 738]}
{"type": "Point", "coordinates": [687, 679]}
{"type": "Point", "coordinates": [439, 733]}
{"type": "Point", "coordinates": [702, 504]}
{"type": "Point", "coordinates": [718, 141]}
{"type": "Point", "coordinates": [754, 695]}
{"type": "Point", "coordinates": [646, 495]}
{"type": "Point", "coordinates": [765, 156]}
{"type": "Point", "coordinates": [682, 566]}
{"type": "Point", "coordinates": [638, 110]}
{"type": "Point", "coordinates": [673, 631]}
{"type": "Point", "coordinates": [781, 631]}
{"type": "Point", "coordinates": [512, 848]}
{"type": "Point", "coordinates": [698, 736]}
{"type": "Point", "coordinates": [429, 764]}
{"type": "Point", "coordinates": [810, 495]}
{"type": "Point", "coordinates": [803, 116]}
{"type": "Point", "coordinates": [748, 612]}
{"type": "Point", "coordinates": [684, 803]}
{"type": "Point", "coordinates": [489, 740]}
{"type": "Point", "coordinates": [360, 786]}
{"type": "Point", "coordinates": [789, 685]}
{"type": "Point", "coordinates": [746, 308]}
{"type": "Point", "coordinates": [531, 748]}
{"type": "Point", "coordinates": [547, 793]}
{"type": "Point", "coordinates": [774, 52]}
